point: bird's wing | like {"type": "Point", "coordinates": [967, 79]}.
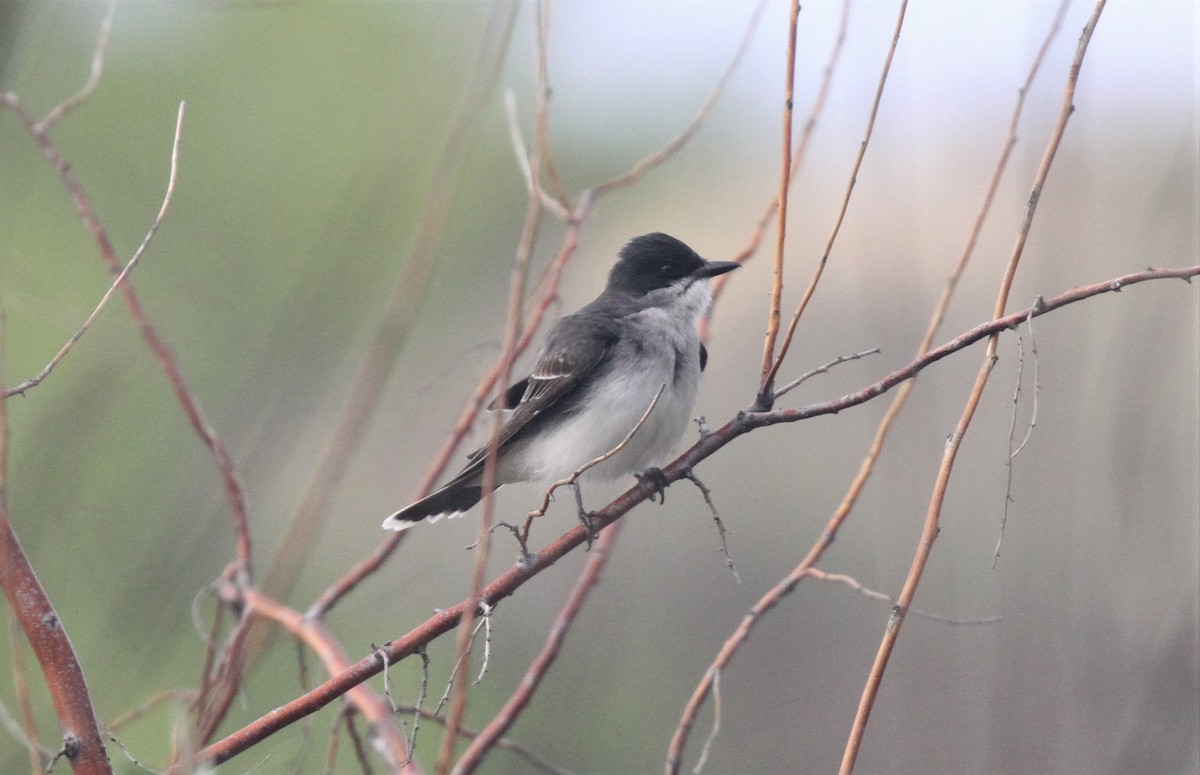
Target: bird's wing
{"type": "Point", "coordinates": [574, 347]}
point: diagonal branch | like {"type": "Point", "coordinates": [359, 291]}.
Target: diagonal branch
{"type": "Point", "coordinates": [516, 576]}
{"type": "Point", "coordinates": [82, 744]}
{"type": "Point", "coordinates": [491, 734]}
{"type": "Point", "coordinates": [133, 262]}
{"type": "Point", "coordinates": [842, 512]}
{"type": "Point", "coordinates": [547, 293]}
{"type": "Point", "coordinates": [391, 335]}
{"type": "Point", "coordinates": [103, 36]}
{"type": "Point", "coordinates": [933, 516]}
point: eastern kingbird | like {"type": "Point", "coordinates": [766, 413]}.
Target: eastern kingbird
{"type": "Point", "coordinates": [595, 376]}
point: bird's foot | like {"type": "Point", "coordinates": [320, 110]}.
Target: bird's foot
{"type": "Point", "coordinates": [585, 517]}
{"type": "Point", "coordinates": [658, 479]}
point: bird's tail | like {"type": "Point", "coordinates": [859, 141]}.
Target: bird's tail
{"type": "Point", "coordinates": [450, 501]}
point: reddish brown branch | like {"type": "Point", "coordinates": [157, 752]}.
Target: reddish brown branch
{"type": "Point", "coordinates": [806, 133]}
{"type": "Point", "coordinates": [513, 578]}
{"type": "Point", "coordinates": [842, 512]}
{"type": "Point", "coordinates": [547, 293]}
{"type": "Point", "coordinates": [391, 335]}
{"type": "Point", "coordinates": [316, 637]}
{"type": "Point", "coordinates": [769, 378]}
{"type": "Point", "coordinates": [781, 199]}
{"type": "Point", "coordinates": [512, 708]}
{"type": "Point", "coordinates": [159, 348]}
{"type": "Point", "coordinates": [81, 740]}
{"type": "Point", "coordinates": [931, 527]}
{"type": "Point", "coordinates": [508, 354]}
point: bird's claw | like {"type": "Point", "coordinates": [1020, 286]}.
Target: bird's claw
{"type": "Point", "coordinates": [589, 528]}
{"type": "Point", "coordinates": [656, 477]}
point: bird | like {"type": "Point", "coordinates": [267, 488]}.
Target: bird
{"type": "Point", "coordinates": [595, 376]}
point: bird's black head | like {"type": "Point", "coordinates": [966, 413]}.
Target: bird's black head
{"type": "Point", "coordinates": [654, 261]}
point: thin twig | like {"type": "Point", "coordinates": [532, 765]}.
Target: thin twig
{"type": "Point", "coordinates": [798, 157]}
{"type": "Point", "coordinates": [517, 702]}
{"type": "Point", "coordinates": [504, 743]}
{"type": "Point", "coordinates": [823, 369]}
{"type": "Point", "coordinates": [533, 184]}
{"type": "Point", "coordinates": [153, 702]}
{"type": "Point", "coordinates": [1012, 426]}
{"type": "Point", "coordinates": [867, 467]}
{"type": "Point", "coordinates": [485, 615]}
{"type": "Point", "coordinates": [769, 378]}
{"type": "Point", "coordinates": [38, 754]}
{"type": "Point", "coordinates": [445, 698]}
{"type": "Point", "coordinates": [542, 145]}
{"type": "Point", "coordinates": [721, 532]}
{"type": "Point", "coordinates": [334, 738]}
{"type": "Point", "coordinates": [856, 585]}
{"type": "Point", "coordinates": [573, 479]}
{"type": "Point", "coordinates": [129, 754]}
{"type": "Point", "coordinates": [98, 55]}
{"type": "Point", "coordinates": [422, 693]}
{"type": "Point", "coordinates": [933, 516]}
{"type": "Point", "coordinates": [129, 267]}
{"type": "Point", "coordinates": [360, 747]}
{"type": "Point", "coordinates": [785, 179]}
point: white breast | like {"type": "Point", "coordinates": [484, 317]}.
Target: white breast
{"type": "Point", "coordinates": [659, 348]}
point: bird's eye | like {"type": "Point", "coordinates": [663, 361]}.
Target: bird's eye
{"type": "Point", "coordinates": [665, 269]}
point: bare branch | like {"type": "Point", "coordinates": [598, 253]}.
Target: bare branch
{"type": "Point", "coordinates": [517, 575]}
{"type": "Point", "coordinates": [870, 594]}
{"type": "Point", "coordinates": [798, 157]}
{"type": "Point", "coordinates": [769, 377]}
{"type": "Point", "coordinates": [933, 516]}
{"type": "Point", "coordinates": [842, 512]}
{"type": "Point", "coordinates": [512, 708]}
{"type": "Point", "coordinates": [1012, 427]}
{"type": "Point", "coordinates": [93, 81]}
{"type": "Point", "coordinates": [133, 262]}
{"type": "Point", "coordinates": [785, 180]}
{"type": "Point", "coordinates": [824, 368]}
{"type": "Point", "coordinates": [712, 507]}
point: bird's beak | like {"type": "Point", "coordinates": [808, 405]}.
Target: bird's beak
{"type": "Point", "coordinates": [714, 268]}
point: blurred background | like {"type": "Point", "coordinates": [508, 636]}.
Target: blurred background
{"type": "Point", "coordinates": [308, 151]}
